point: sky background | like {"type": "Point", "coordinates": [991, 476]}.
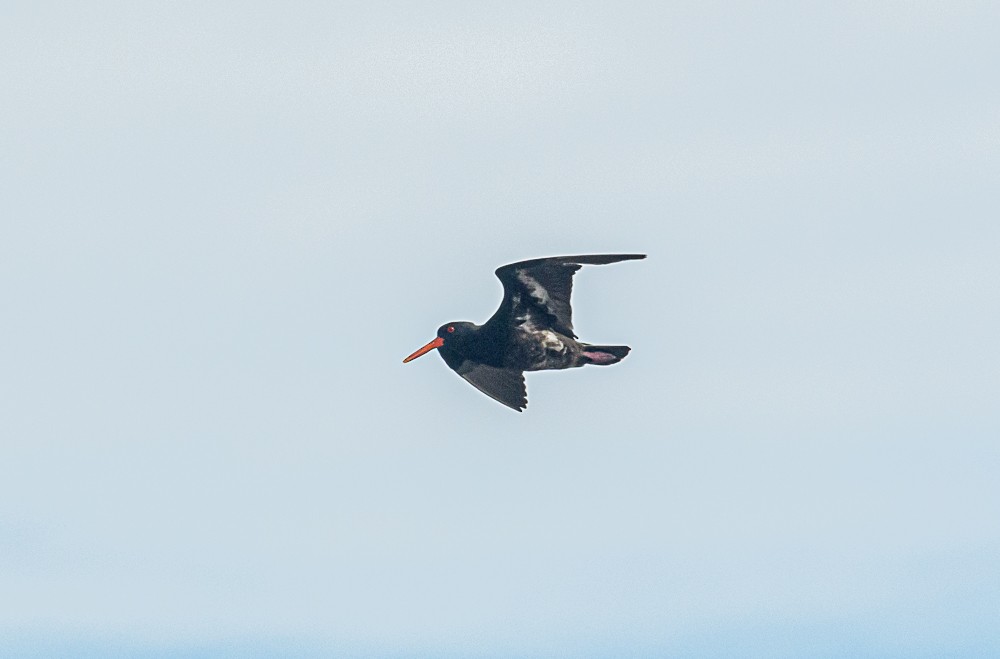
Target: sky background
{"type": "Point", "coordinates": [223, 225]}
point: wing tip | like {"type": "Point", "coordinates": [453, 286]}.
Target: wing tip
{"type": "Point", "coordinates": [623, 257]}
{"type": "Point", "coordinates": [516, 405]}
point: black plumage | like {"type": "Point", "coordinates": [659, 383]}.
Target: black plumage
{"type": "Point", "coordinates": [531, 331]}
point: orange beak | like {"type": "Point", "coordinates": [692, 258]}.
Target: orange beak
{"type": "Point", "coordinates": [436, 343]}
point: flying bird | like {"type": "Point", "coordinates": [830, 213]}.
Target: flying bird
{"type": "Point", "coordinates": [531, 331]}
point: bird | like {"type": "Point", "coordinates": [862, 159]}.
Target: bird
{"type": "Point", "coordinates": [531, 331]}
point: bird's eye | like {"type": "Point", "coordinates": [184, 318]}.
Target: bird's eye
{"type": "Point", "coordinates": [451, 328]}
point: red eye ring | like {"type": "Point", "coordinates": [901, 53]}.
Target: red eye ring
{"type": "Point", "coordinates": [451, 328]}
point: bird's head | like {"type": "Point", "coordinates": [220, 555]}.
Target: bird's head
{"type": "Point", "coordinates": [451, 335]}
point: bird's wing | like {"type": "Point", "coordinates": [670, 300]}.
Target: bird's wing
{"type": "Point", "coordinates": [540, 289]}
{"type": "Point", "coordinates": [505, 385]}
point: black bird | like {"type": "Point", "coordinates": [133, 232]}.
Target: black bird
{"type": "Point", "coordinates": [531, 331]}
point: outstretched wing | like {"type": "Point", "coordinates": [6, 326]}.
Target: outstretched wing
{"type": "Point", "coordinates": [504, 385]}
{"type": "Point", "coordinates": [540, 289]}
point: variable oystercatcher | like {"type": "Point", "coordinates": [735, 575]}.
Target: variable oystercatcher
{"type": "Point", "coordinates": [531, 331]}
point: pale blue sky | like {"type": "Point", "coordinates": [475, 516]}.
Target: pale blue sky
{"type": "Point", "coordinates": [222, 228]}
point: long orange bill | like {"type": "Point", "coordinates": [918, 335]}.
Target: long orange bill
{"type": "Point", "coordinates": [436, 343]}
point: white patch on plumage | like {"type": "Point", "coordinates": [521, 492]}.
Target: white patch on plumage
{"type": "Point", "coordinates": [546, 339]}
{"type": "Point", "coordinates": [528, 323]}
{"type": "Point", "coordinates": [525, 315]}
{"type": "Point", "coordinates": [550, 341]}
{"type": "Point", "coordinates": [536, 290]}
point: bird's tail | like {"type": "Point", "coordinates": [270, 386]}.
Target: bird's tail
{"type": "Point", "coordinates": [604, 355]}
